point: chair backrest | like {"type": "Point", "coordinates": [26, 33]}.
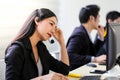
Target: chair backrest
{"type": "Point", "coordinates": [53, 48]}
{"type": "Point", "coordinates": [2, 69]}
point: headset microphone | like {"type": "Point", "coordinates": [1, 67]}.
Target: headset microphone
{"type": "Point", "coordinates": [51, 41]}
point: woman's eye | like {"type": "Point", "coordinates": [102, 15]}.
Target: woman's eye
{"type": "Point", "coordinates": [51, 24]}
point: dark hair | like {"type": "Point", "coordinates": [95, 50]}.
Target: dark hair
{"type": "Point", "coordinates": [86, 12]}
{"type": "Point", "coordinates": [112, 15]}
{"type": "Point", "coordinates": [29, 26]}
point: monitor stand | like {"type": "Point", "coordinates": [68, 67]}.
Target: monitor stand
{"type": "Point", "coordinates": [114, 72]}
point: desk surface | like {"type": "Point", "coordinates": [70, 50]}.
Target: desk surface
{"type": "Point", "coordinates": [84, 70]}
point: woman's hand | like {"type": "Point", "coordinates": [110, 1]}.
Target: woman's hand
{"type": "Point", "coordinates": [57, 76]}
{"type": "Point", "coordinates": [58, 35]}
{"type": "Point", "coordinates": [52, 76]}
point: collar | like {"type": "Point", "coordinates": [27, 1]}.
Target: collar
{"type": "Point", "coordinates": [87, 33]}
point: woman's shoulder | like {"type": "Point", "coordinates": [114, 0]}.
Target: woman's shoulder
{"type": "Point", "coordinates": [16, 48]}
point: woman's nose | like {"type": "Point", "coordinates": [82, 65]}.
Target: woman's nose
{"type": "Point", "coordinates": [53, 30]}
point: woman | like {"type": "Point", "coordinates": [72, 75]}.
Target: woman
{"type": "Point", "coordinates": [28, 58]}
{"type": "Point", "coordinates": [111, 17]}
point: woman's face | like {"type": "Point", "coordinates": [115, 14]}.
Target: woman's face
{"type": "Point", "coordinates": [114, 21]}
{"type": "Point", "coordinates": [46, 28]}
{"type": "Point", "coordinates": [117, 20]}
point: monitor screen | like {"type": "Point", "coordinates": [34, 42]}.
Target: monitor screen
{"type": "Point", "coordinates": [113, 45]}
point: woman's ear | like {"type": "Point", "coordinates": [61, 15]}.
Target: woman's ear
{"type": "Point", "coordinates": [109, 20]}
{"type": "Point", "coordinates": [36, 20]}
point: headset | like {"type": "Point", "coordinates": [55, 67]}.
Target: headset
{"type": "Point", "coordinates": [51, 41]}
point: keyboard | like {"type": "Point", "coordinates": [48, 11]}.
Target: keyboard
{"type": "Point", "coordinates": [94, 77]}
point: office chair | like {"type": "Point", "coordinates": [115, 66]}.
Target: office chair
{"type": "Point", "coordinates": [53, 48]}
{"type": "Point", "coordinates": [2, 69]}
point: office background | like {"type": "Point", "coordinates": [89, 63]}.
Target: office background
{"type": "Point", "coordinates": [14, 13]}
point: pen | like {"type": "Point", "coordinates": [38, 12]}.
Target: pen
{"type": "Point", "coordinates": [74, 75]}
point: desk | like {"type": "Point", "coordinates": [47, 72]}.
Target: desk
{"type": "Point", "coordinates": [84, 70]}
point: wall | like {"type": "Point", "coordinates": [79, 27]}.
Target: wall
{"type": "Point", "coordinates": [69, 10]}
{"type": "Point", "coordinates": [14, 13]}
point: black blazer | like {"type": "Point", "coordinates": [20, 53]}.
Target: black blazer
{"type": "Point", "coordinates": [21, 65]}
{"type": "Point", "coordinates": [80, 48]}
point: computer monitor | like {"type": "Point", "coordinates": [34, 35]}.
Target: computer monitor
{"type": "Point", "coordinates": [113, 45]}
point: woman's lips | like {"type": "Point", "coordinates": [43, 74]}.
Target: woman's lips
{"type": "Point", "coordinates": [49, 34]}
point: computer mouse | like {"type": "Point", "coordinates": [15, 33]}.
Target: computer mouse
{"type": "Point", "coordinates": [91, 65]}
